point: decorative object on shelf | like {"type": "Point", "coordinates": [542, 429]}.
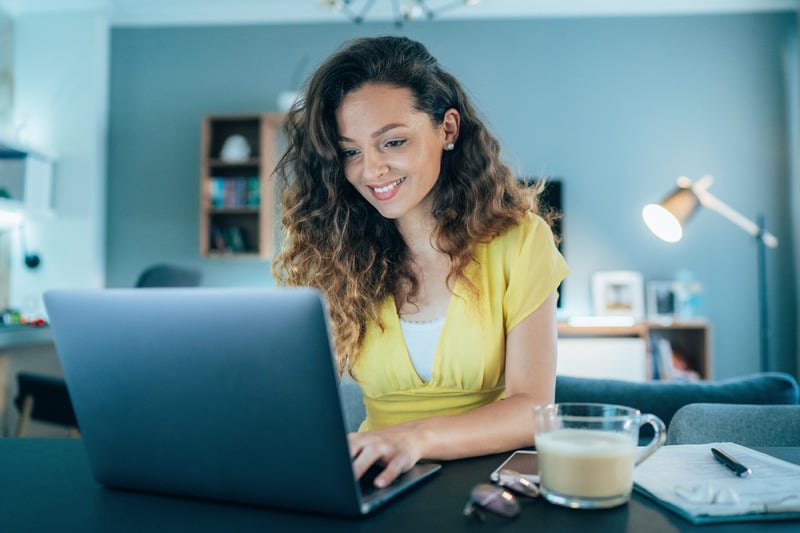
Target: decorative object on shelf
{"type": "Point", "coordinates": [618, 292]}
{"type": "Point", "coordinates": [402, 11]}
{"type": "Point", "coordinates": [661, 300]}
{"type": "Point", "coordinates": [667, 218]}
{"type": "Point", "coordinates": [235, 149]}
{"type": "Point", "coordinates": [687, 295]}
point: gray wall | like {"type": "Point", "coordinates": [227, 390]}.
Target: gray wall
{"type": "Point", "coordinates": [617, 107]}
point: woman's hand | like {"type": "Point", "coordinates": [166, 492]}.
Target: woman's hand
{"type": "Point", "coordinates": [393, 447]}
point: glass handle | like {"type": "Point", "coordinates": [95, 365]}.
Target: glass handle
{"type": "Point", "coordinates": [659, 438]}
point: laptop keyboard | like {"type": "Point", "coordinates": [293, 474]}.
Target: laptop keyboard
{"type": "Point", "coordinates": [367, 481]}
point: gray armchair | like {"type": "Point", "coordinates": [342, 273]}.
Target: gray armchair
{"type": "Point", "coordinates": [749, 425]}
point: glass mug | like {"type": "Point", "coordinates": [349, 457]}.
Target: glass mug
{"type": "Point", "coordinates": [587, 452]}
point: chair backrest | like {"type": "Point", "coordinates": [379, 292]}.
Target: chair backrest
{"type": "Point", "coordinates": [166, 275]}
{"type": "Point", "coordinates": [50, 399]}
{"type": "Point", "coordinates": [749, 425]}
{"type": "Point", "coordinates": [353, 403]}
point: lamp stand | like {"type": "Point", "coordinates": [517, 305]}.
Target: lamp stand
{"type": "Point", "coordinates": [763, 323]}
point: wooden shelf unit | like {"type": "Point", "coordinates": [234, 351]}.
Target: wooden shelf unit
{"type": "Point", "coordinates": [237, 198]}
{"type": "Point", "coordinates": [688, 339]}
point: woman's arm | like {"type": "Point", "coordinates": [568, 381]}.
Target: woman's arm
{"type": "Point", "coordinates": [500, 426]}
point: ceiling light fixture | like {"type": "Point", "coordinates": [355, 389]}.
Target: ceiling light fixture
{"type": "Point", "coordinates": [402, 10]}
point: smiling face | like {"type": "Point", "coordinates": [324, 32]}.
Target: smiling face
{"type": "Point", "coordinates": [392, 151]}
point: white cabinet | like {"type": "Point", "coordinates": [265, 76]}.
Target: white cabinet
{"type": "Point", "coordinates": [613, 358]}
{"type": "Point", "coordinates": [646, 350]}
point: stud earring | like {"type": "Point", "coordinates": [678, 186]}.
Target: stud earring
{"type": "Point", "coordinates": [449, 146]}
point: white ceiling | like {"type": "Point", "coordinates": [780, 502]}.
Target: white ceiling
{"type": "Point", "coordinates": [178, 12]}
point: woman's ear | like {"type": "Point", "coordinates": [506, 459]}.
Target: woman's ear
{"type": "Point", "coordinates": [450, 126]}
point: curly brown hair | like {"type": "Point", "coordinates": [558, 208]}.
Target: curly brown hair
{"type": "Point", "coordinates": [335, 240]}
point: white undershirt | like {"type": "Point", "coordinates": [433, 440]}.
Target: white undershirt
{"type": "Point", "coordinates": [421, 340]}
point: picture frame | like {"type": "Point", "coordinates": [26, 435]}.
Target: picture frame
{"type": "Point", "coordinates": [618, 293]}
{"type": "Point", "coordinates": [662, 300]}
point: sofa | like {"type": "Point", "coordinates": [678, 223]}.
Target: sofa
{"type": "Point", "coordinates": [661, 398]}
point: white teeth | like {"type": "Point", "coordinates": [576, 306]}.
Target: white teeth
{"type": "Point", "coordinates": [389, 187]}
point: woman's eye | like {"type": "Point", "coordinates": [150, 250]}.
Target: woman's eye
{"type": "Point", "coordinates": [348, 153]}
{"type": "Point", "coordinates": [395, 142]}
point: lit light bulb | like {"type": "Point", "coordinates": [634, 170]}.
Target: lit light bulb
{"type": "Point", "coordinates": [662, 223]}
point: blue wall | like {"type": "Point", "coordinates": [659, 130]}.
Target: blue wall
{"type": "Point", "coordinates": [617, 107]}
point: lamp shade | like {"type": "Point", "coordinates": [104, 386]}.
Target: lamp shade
{"type": "Point", "coordinates": [666, 218]}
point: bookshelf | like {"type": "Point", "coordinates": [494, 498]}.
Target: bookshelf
{"type": "Point", "coordinates": [237, 194]}
{"type": "Point", "coordinates": [642, 351]}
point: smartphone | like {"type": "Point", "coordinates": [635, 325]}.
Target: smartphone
{"type": "Point", "coordinates": [526, 462]}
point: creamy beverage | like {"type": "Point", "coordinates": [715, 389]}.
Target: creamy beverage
{"type": "Point", "coordinates": [587, 452]}
{"type": "Point", "coordinates": [586, 463]}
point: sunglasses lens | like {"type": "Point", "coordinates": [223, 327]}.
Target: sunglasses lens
{"type": "Point", "coordinates": [494, 499]}
{"type": "Point", "coordinates": [515, 481]}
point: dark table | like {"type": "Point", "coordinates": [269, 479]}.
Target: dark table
{"type": "Point", "coordinates": [46, 485]}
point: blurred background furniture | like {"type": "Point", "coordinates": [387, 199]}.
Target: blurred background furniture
{"type": "Point", "coordinates": [167, 275]}
{"type": "Point", "coordinates": [45, 399]}
{"type": "Point", "coordinates": [664, 398]}
{"type": "Point", "coordinates": [661, 398]}
{"type": "Point", "coordinates": [749, 425]}
{"type": "Point", "coordinates": [352, 403]}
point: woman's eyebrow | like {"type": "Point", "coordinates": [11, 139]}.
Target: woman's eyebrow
{"type": "Point", "coordinates": [376, 133]}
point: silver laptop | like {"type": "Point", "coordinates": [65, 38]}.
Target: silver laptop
{"type": "Point", "coordinates": [225, 394]}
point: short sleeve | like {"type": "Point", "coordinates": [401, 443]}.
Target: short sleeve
{"type": "Point", "coordinates": [535, 269]}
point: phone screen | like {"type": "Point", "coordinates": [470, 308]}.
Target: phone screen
{"type": "Point", "coordinates": [526, 462]}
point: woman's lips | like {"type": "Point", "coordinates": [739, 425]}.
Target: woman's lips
{"type": "Point", "coordinates": [385, 192]}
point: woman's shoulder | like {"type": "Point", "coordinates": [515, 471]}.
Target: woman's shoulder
{"type": "Point", "coordinates": [530, 226]}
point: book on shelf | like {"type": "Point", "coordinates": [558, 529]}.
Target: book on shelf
{"type": "Point", "coordinates": [234, 192]}
{"type": "Point", "coordinates": [228, 239]}
{"type": "Point", "coordinates": [217, 192]}
{"type": "Point", "coordinates": [669, 362]}
{"type": "Point", "coordinates": [253, 191]}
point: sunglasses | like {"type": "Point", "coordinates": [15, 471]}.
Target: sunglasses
{"type": "Point", "coordinates": [500, 499]}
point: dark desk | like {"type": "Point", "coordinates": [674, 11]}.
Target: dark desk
{"type": "Point", "coordinates": [46, 485]}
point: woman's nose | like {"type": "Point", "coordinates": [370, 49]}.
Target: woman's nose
{"type": "Point", "coordinates": [375, 165]}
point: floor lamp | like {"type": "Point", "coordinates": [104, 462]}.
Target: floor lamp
{"type": "Point", "coordinates": [667, 218]}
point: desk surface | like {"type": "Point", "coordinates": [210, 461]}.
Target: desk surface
{"type": "Point", "coordinates": [46, 484]}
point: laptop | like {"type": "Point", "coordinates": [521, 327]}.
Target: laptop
{"type": "Point", "coordinates": [223, 394]}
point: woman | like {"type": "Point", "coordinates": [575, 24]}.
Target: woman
{"type": "Point", "coordinates": [439, 277]}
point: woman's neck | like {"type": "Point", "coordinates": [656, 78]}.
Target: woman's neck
{"type": "Point", "coordinates": [417, 232]}
{"type": "Point", "coordinates": [431, 268]}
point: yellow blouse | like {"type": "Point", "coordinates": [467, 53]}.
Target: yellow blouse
{"type": "Point", "coordinates": [514, 274]}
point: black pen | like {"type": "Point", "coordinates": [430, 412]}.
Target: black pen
{"type": "Point", "coordinates": [730, 463]}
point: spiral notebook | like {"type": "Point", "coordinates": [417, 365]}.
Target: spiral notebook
{"type": "Point", "coordinates": [690, 482]}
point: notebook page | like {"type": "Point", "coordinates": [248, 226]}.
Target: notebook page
{"type": "Point", "coordinates": [688, 479]}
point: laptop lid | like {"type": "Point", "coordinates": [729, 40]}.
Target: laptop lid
{"type": "Point", "coordinates": [227, 394]}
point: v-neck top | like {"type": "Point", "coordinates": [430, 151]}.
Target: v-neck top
{"type": "Point", "coordinates": [514, 274]}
